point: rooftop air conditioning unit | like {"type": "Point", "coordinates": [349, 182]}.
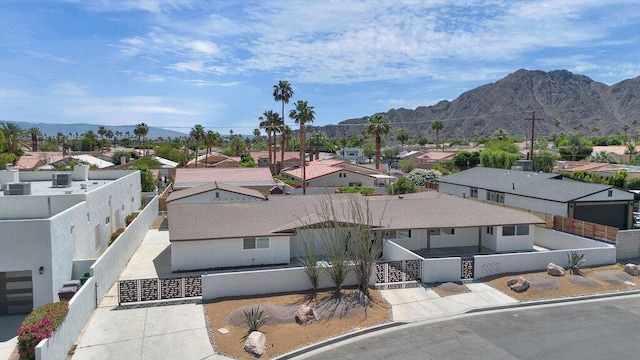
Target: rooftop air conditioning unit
{"type": "Point", "coordinates": [62, 180]}
{"type": "Point", "coordinates": [17, 189]}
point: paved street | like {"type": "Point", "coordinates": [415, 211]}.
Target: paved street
{"type": "Point", "coordinates": [598, 329]}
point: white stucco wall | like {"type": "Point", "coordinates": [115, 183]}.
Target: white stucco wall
{"type": "Point", "coordinates": [395, 252]}
{"type": "Point", "coordinates": [617, 194]}
{"type": "Point", "coordinates": [333, 180]}
{"type": "Point", "coordinates": [461, 237]}
{"type": "Point", "coordinates": [210, 196]}
{"type": "Point", "coordinates": [557, 240]}
{"type": "Point", "coordinates": [515, 242]}
{"type": "Point", "coordinates": [441, 270]}
{"type": "Point", "coordinates": [26, 245]}
{"type": "Point", "coordinates": [209, 254]}
{"type": "Point", "coordinates": [319, 236]}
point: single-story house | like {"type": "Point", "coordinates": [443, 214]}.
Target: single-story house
{"type": "Point", "coordinates": [336, 172]}
{"type": "Point", "coordinates": [270, 232]}
{"type": "Point", "coordinates": [214, 192]}
{"type": "Point", "coordinates": [261, 158]}
{"type": "Point", "coordinates": [355, 155]}
{"type": "Point", "coordinates": [431, 158]}
{"type": "Point", "coordinates": [544, 192]}
{"type": "Point", "coordinates": [214, 159]}
{"type": "Point", "coordinates": [259, 179]}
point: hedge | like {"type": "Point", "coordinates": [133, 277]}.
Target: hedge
{"type": "Point", "coordinates": [39, 325]}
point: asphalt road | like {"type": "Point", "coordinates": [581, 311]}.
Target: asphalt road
{"type": "Point", "coordinates": [602, 329]}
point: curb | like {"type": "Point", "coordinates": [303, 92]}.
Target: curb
{"type": "Point", "coordinates": [337, 339]}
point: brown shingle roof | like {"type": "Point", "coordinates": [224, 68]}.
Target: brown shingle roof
{"type": "Point", "coordinates": [181, 194]}
{"type": "Point", "coordinates": [281, 213]}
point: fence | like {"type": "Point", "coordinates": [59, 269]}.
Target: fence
{"type": "Point", "coordinates": [158, 289]}
{"type": "Point", "coordinates": [104, 273]}
{"type": "Point", "coordinates": [585, 229]}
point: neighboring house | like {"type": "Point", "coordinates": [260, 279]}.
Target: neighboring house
{"type": "Point", "coordinates": [214, 159]}
{"type": "Point", "coordinates": [355, 155]}
{"type": "Point", "coordinates": [270, 232]}
{"type": "Point", "coordinates": [36, 160]}
{"type": "Point", "coordinates": [336, 172]}
{"type": "Point", "coordinates": [167, 170]}
{"type": "Point", "coordinates": [548, 193]}
{"type": "Point", "coordinates": [259, 179]}
{"type": "Point", "coordinates": [431, 158]}
{"type": "Point", "coordinates": [261, 158]}
{"type": "Point", "coordinates": [618, 152]}
{"type": "Point", "coordinates": [86, 159]}
{"type": "Point", "coordinates": [602, 169]}
{"type": "Point", "coordinates": [48, 220]}
{"type": "Point", "coordinates": [214, 193]}
{"type": "Point", "coordinates": [410, 155]}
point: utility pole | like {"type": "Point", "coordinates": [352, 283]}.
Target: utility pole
{"type": "Point", "coordinates": [533, 129]}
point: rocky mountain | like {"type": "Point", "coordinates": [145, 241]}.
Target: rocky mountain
{"type": "Point", "coordinates": [556, 95]}
{"type": "Point", "coordinates": [53, 129]}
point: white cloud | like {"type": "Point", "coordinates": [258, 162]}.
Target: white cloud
{"type": "Point", "coordinates": [68, 89]}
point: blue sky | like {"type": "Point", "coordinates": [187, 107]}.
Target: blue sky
{"type": "Point", "coordinates": [175, 63]}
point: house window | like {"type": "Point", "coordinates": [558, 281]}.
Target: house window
{"type": "Point", "coordinates": [398, 234]}
{"type": "Point", "coordinates": [88, 217]}
{"type": "Point", "coordinates": [508, 230]}
{"type": "Point", "coordinates": [443, 231]}
{"type": "Point", "coordinates": [490, 230]}
{"type": "Point", "coordinates": [473, 193]}
{"type": "Point", "coordinates": [250, 243]}
{"type": "Point", "coordinates": [610, 193]}
{"type": "Point", "coordinates": [107, 220]}
{"type": "Point", "coordinates": [522, 230]}
{"type": "Point", "coordinates": [217, 195]}
{"type": "Point", "coordinates": [434, 232]}
{"type": "Point", "coordinates": [495, 196]}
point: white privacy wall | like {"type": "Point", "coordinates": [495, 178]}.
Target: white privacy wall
{"type": "Point", "coordinates": [221, 253]}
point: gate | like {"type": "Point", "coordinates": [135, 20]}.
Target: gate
{"type": "Point", "coordinates": [158, 289]}
{"type": "Point", "coordinates": [466, 271]}
{"type": "Point", "coordinates": [398, 271]}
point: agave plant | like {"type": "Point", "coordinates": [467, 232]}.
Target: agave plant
{"type": "Point", "coordinates": [575, 262]}
{"type": "Point", "coordinates": [254, 319]}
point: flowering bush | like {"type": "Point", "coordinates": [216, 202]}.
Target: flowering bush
{"type": "Point", "coordinates": [130, 218]}
{"type": "Point", "coordinates": [420, 176]}
{"type": "Point", "coordinates": [39, 325]}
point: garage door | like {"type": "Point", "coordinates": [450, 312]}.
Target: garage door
{"type": "Point", "coordinates": [16, 292]}
{"type": "Point", "coordinates": [611, 215]}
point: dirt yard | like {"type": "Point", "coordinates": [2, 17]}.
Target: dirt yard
{"type": "Point", "coordinates": [596, 280]}
{"type": "Point", "coordinates": [338, 315]}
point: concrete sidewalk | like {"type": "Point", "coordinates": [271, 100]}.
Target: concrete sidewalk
{"type": "Point", "coordinates": [154, 330]}
{"type": "Point", "coordinates": [422, 303]}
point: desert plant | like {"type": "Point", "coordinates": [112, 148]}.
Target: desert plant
{"type": "Point", "coordinates": [115, 235]}
{"type": "Point", "coordinates": [310, 258]}
{"type": "Point", "coordinates": [130, 218]}
{"type": "Point", "coordinates": [575, 262]}
{"type": "Point", "coordinates": [254, 319]}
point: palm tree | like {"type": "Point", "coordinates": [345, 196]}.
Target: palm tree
{"type": "Point", "coordinates": [377, 127]}
{"type": "Point", "coordinates": [108, 134]}
{"type": "Point", "coordinates": [625, 128]}
{"type": "Point", "coordinates": [35, 135]}
{"type": "Point", "coordinates": [282, 92]}
{"type": "Point", "coordinates": [437, 126]}
{"type": "Point", "coordinates": [403, 136]}
{"type": "Point", "coordinates": [197, 133]}
{"type": "Point", "coordinates": [575, 145]}
{"type": "Point", "coordinates": [284, 139]}
{"type": "Point", "coordinates": [211, 138]}
{"type": "Point", "coordinates": [302, 114]}
{"type": "Point", "coordinates": [237, 144]}
{"type": "Point", "coordinates": [13, 136]}
{"type": "Point", "coordinates": [265, 123]}
{"type": "Point", "coordinates": [90, 138]}
{"type": "Point", "coordinates": [101, 131]}
{"type": "Point", "coordinates": [317, 141]}
{"type": "Point", "coordinates": [141, 132]}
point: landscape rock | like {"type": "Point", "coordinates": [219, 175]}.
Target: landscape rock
{"type": "Point", "coordinates": [632, 269]}
{"type": "Point", "coordinates": [256, 344]}
{"type": "Point", "coordinates": [555, 270]}
{"type": "Point", "coordinates": [518, 285]}
{"type": "Point", "coordinates": [306, 315]}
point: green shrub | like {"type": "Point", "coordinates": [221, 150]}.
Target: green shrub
{"type": "Point", "coordinates": [115, 235]}
{"type": "Point", "coordinates": [39, 325]}
{"type": "Point", "coordinates": [402, 186]}
{"type": "Point", "coordinates": [130, 218]}
{"type": "Point", "coordinates": [634, 184]}
{"type": "Point", "coordinates": [366, 191]}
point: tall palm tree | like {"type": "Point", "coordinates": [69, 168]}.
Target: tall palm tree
{"type": "Point", "coordinates": [197, 133]}
{"type": "Point", "coordinates": [265, 123]}
{"type": "Point", "coordinates": [109, 135]}
{"type": "Point", "coordinates": [302, 114]}
{"type": "Point", "coordinates": [13, 136]}
{"type": "Point", "coordinates": [284, 139]}
{"type": "Point", "coordinates": [101, 131]}
{"type": "Point", "coordinates": [378, 127]}
{"type": "Point", "coordinates": [282, 92]}
{"type": "Point", "coordinates": [211, 138]}
{"type": "Point", "coordinates": [625, 128]}
{"type": "Point", "coordinates": [437, 126]}
{"type": "Point", "coordinates": [317, 141]}
{"type": "Point", "coordinates": [141, 132]}
{"type": "Point", "coordinates": [237, 144]}
{"type": "Point", "coordinates": [35, 135]}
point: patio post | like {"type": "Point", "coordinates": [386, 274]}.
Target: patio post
{"type": "Point", "coordinates": [428, 242]}
{"type": "Point", "coordinates": [479, 238]}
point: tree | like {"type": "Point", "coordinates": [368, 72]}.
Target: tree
{"type": "Point", "coordinates": [575, 145]}
{"type": "Point", "coordinates": [284, 140]}
{"type": "Point", "coordinates": [109, 135]}
{"type": "Point", "coordinates": [269, 123]}
{"type": "Point", "coordinates": [466, 159]}
{"type": "Point", "coordinates": [13, 135]}
{"type": "Point", "coordinates": [317, 141]}
{"type": "Point", "coordinates": [437, 126]}
{"type": "Point", "coordinates": [247, 161]}
{"type": "Point", "coordinates": [197, 133]}
{"type": "Point", "coordinates": [402, 186]}
{"type": "Point", "coordinates": [631, 151]}
{"type": "Point", "coordinates": [420, 177]}
{"type": "Point", "coordinates": [35, 135]}
{"type": "Point", "coordinates": [211, 138]}
{"type": "Point", "coordinates": [141, 132]}
{"type": "Point", "coordinates": [147, 182]}
{"type": "Point", "coordinates": [282, 92]}
{"type": "Point", "coordinates": [544, 161]}
{"type": "Point", "coordinates": [101, 131]}
{"type": "Point", "coordinates": [625, 129]}
{"type": "Point", "coordinates": [407, 165]}
{"type": "Point", "coordinates": [499, 159]}
{"type": "Point", "coordinates": [369, 149]}
{"type": "Point", "coordinates": [403, 136]}
{"type": "Point", "coordinates": [604, 157]}
{"type": "Point", "coordinates": [237, 145]}
{"type": "Point", "coordinates": [302, 114]}
{"type": "Point", "coordinates": [377, 127]}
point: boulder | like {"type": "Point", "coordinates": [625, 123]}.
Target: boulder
{"type": "Point", "coordinates": [518, 285]}
{"type": "Point", "coordinates": [256, 344]}
{"type": "Point", "coordinates": [632, 269]}
{"type": "Point", "coordinates": [555, 270]}
{"type": "Point", "coordinates": [306, 315]}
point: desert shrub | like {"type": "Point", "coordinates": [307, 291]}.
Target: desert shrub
{"type": "Point", "coordinates": [402, 186]}
{"type": "Point", "coordinates": [407, 165]}
{"type": "Point", "coordinates": [634, 184]}
{"type": "Point", "coordinates": [366, 191]}
{"type": "Point", "coordinates": [419, 177]}
{"type": "Point", "coordinates": [115, 235]}
{"type": "Point", "coordinates": [575, 262]}
{"type": "Point", "coordinates": [39, 325]}
{"type": "Point", "coordinates": [130, 218]}
{"type": "Point", "coordinates": [254, 319]}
